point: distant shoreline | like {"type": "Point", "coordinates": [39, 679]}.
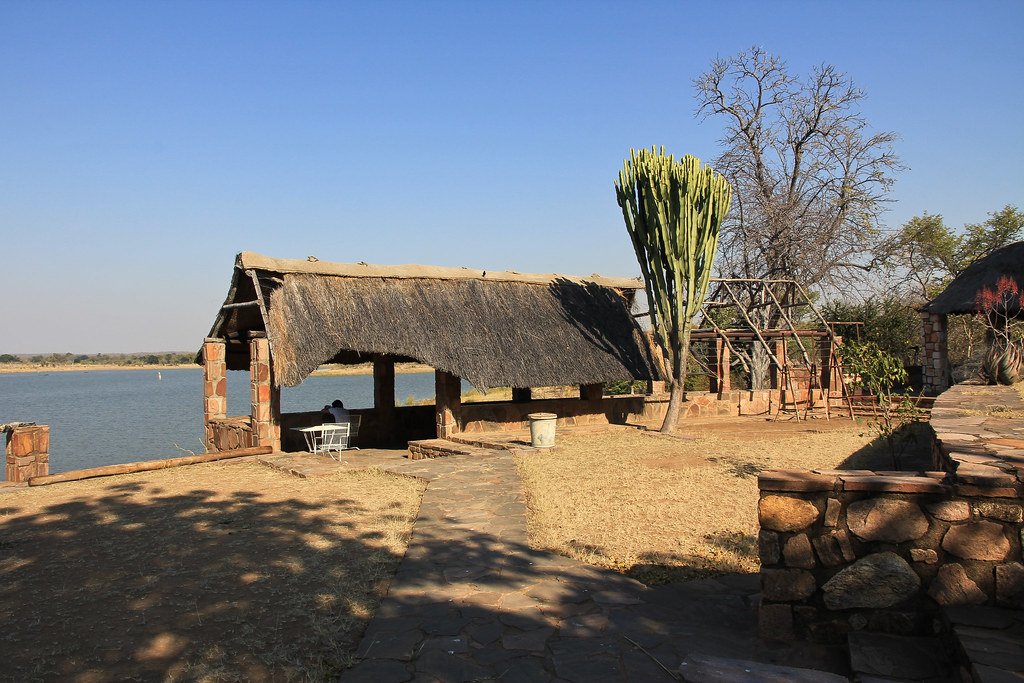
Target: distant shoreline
{"type": "Point", "coordinates": [323, 371]}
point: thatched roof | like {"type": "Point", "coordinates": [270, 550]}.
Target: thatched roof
{"type": "Point", "coordinates": [490, 328]}
{"type": "Point", "coordinates": [959, 296]}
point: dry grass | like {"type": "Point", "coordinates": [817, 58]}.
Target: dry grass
{"type": "Point", "coordinates": [665, 509]}
{"type": "Point", "coordinates": [219, 572]}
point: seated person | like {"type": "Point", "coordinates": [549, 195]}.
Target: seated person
{"type": "Point", "coordinates": [337, 411]}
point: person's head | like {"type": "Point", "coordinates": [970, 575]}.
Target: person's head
{"type": "Point", "coordinates": [338, 404]}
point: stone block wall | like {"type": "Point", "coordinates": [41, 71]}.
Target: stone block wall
{"type": "Point", "coordinates": [846, 551]}
{"type": "Point", "coordinates": [935, 370]}
{"type": "Point", "coordinates": [28, 451]}
{"type": "Point", "coordinates": [215, 388]}
{"type": "Point", "coordinates": [229, 433]}
{"type": "Point", "coordinates": [266, 398]}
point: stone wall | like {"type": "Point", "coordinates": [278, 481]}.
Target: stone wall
{"type": "Point", "coordinates": [28, 451]}
{"type": "Point", "coordinates": [229, 433]}
{"type": "Point", "coordinates": [845, 551]}
{"type": "Point", "coordinates": [935, 370]}
{"type": "Point", "coordinates": [509, 416]}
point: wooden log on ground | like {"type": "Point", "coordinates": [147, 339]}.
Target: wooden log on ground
{"type": "Point", "coordinates": [128, 468]}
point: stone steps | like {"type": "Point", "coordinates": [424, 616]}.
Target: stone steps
{"type": "Point", "coordinates": [440, 448]}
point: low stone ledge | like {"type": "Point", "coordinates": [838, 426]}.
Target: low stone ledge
{"type": "Point", "coordinates": [794, 480]}
{"type": "Point", "coordinates": [893, 484]}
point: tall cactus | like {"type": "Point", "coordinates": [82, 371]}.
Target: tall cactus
{"type": "Point", "coordinates": [674, 213]}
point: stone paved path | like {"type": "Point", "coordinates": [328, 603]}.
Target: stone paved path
{"type": "Point", "coordinates": [471, 601]}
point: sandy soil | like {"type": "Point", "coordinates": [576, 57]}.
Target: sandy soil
{"type": "Point", "coordinates": [667, 509]}
{"type": "Point", "coordinates": [219, 572]}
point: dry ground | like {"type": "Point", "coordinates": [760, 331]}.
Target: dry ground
{"type": "Point", "coordinates": [663, 509]}
{"type": "Point", "coordinates": [219, 572]}
{"type": "Point", "coordinates": [236, 572]}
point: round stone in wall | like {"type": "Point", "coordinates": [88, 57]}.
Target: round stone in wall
{"type": "Point", "coordinates": [886, 519]}
{"type": "Point", "coordinates": [782, 513]}
{"type": "Point", "coordinates": [879, 580]}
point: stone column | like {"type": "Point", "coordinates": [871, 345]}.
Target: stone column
{"type": "Point", "coordinates": [384, 394]}
{"type": "Point", "coordinates": [935, 372]}
{"type": "Point", "coordinates": [28, 452]}
{"type": "Point", "coordinates": [215, 387]}
{"type": "Point", "coordinates": [266, 398]}
{"type": "Point", "coordinates": [718, 361]}
{"type": "Point", "coordinates": [447, 403]}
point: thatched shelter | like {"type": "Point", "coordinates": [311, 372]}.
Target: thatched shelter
{"type": "Point", "coordinates": [490, 328]}
{"type": "Point", "coordinates": [959, 297]}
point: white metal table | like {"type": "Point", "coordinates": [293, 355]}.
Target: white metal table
{"type": "Point", "coordinates": [325, 438]}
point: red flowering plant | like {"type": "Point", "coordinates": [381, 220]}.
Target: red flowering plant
{"type": "Point", "coordinates": [1000, 308]}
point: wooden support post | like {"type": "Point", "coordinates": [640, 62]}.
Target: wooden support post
{"type": "Point", "coordinates": [384, 394]}
{"type": "Point", "coordinates": [266, 398]}
{"type": "Point", "coordinates": [447, 403]}
{"type": "Point", "coordinates": [215, 386]}
{"type": "Point", "coordinates": [777, 370]}
{"type": "Point", "coordinates": [591, 392]}
{"type": "Point", "coordinates": [719, 360]}
{"type": "Point", "coordinates": [828, 353]}
{"type": "Point", "coordinates": [522, 394]}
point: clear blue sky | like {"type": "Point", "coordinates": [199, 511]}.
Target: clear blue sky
{"type": "Point", "coordinates": [143, 144]}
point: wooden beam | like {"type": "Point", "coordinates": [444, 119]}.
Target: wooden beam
{"type": "Point", "coordinates": [148, 465]}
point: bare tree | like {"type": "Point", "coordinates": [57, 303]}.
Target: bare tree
{"type": "Point", "coordinates": [810, 177]}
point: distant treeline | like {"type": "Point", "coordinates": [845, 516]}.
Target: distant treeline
{"type": "Point", "coordinates": [127, 359]}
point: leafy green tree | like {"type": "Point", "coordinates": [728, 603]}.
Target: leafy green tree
{"type": "Point", "coordinates": [673, 212]}
{"type": "Point", "coordinates": [883, 376]}
{"type": "Point", "coordinates": [8, 358]}
{"type": "Point", "coordinates": [890, 322]}
{"type": "Point", "coordinates": [926, 254]}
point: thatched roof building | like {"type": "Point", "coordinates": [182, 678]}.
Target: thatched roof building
{"type": "Point", "coordinates": [490, 328]}
{"type": "Point", "coordinates": [959, 297]}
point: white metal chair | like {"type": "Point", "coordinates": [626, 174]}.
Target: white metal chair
{"type": "Point", "coordinates": [353, 430]}
{"type": "Point", "coordinates": [326, 438]}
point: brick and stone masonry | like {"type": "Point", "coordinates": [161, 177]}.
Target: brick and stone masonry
{"type": "Point", "coordinates": [28, 451]}
{"type": "Point", "coordinates": [215, 388]}
{"type": "Point", "coordinates": [935, 371]}
{"type": "Point", "coordinates": [266, 398]}
{"type": "Point", "coordinates": [846, 551]}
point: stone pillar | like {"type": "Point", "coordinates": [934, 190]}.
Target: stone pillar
{"type": "Point", "coordinates": [522, 394]}
{"type": "Point", "coordinates": [266, 398]}
{"type": "Point", "coordinates": [591, 392]}
{"type": "Point", "coordinates": [935, 372]}
{"type": "Point", "coordinates": [215, 386]}
{"type": "Point", "coordinates": [718, 361]}
{"type": "Point", "coordinates": [28, 452]}
{"type": "Point", "coordinates": [448, 403]}
{"type": "Point", "coordinates": [384, 394]}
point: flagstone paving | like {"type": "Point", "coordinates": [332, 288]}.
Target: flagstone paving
{"type": "Point", "coordinates": [471, 601]}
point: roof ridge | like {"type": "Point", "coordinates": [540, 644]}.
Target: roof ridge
{"type": "Point", "coordinates": [247, 260]}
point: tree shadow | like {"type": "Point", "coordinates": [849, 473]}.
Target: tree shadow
{"type": "Point", "coordinates": [914, 451]}
{"type": "Point", "coordinates": [136, 582]}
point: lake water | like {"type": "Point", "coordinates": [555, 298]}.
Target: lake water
{"type": "Point", "coordinates": [109, 417]}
